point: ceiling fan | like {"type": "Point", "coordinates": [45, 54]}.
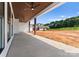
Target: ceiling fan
{"type": "Point", "coordinates": [32, 5]}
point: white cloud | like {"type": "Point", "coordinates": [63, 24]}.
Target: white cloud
{"type": "Point", "coordinates": [56, 19]}
{"type": "Point", "coordinates": [77, 12]}
{"type": "Point", "coordinates": [62, 16]}
{"type": "Point", "coordinates": [69, 16]}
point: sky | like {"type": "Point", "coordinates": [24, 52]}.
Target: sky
{"type": "Point", "coordinates": [67, 10]}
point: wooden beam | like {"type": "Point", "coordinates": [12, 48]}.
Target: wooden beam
{"type": "Point", "coordinates": [28, 5]}
{"type": "Point", "coordinates": [34, 26]}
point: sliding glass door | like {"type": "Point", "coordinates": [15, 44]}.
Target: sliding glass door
{"type": "Point", "coordinates": [2, 26]}
{"type": "Point", "coordinates": [0, 33]}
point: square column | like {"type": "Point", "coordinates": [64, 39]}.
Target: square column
{"type": "Point", "coordinates": [29, 26]}
{"type": "Point", "coordinates": [34, 26]}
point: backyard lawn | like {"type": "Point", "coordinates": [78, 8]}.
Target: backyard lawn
{"type": "Point", "coordinates": [66, 28]}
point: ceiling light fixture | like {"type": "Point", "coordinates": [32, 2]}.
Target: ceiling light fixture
{"type": "Point", "coordinates": [32, 8]}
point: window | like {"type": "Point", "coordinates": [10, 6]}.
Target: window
{"type": "Point", "coordinates": [2, 26]}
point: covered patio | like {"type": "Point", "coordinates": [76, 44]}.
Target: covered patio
{"type": "Point", "coordinates": [25, 45]}
{"type": "Point", "coordinates": [18, 40]}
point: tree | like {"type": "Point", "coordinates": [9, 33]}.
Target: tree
{"type": "Point", "coordinates": [69, 22]}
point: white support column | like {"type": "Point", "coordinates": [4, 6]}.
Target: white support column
{"type": "Point", "coordinates": [12, 14]}
{"type": "Point", "coordinates": [5, 14]}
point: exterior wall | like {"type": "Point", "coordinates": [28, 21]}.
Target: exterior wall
{"type": "Point", "coordinates": [16, 26]}
{"type": "Point", "coordinates": [20, 26]}
{"type": "Point", "coordinates": [23, 27]}
{"type": "Point", "coordinates": [31, 27]}
{"type": "Point", "coordinates": [7, 44]}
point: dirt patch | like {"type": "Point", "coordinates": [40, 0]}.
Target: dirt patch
{"type": "Point", "coordinates": [67, 37]}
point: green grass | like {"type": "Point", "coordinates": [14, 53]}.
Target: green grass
{"type": "Point", "coordinates": [65, 28]}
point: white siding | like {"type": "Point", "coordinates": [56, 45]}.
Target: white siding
{"type": "Point", "coordinates": [20, 26]}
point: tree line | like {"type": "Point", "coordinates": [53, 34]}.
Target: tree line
{"type": "Point", "coordinates": [69, 22]}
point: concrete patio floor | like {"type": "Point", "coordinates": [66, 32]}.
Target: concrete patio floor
{"type": "Point", "coordinates": [24, 45]}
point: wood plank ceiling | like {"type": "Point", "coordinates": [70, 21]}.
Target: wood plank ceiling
{"type": "Point", "coordinates": [23, 10]}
